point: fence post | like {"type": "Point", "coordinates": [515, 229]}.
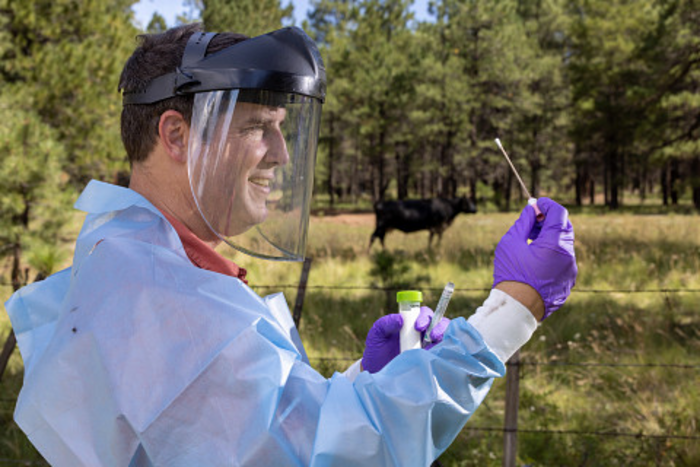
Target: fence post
{"type": "Point", "coordinates": [301, 291]}
{"type": "Point", "coordinates": [510, 429]}
{"type": "Point", "coordinates": [7, 351]}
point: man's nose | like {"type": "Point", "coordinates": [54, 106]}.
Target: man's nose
{"type": "Point", "coordinates": [277, 153]}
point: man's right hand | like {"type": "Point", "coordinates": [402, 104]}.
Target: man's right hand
{"type": "Point", "coordinates": [548, 263]}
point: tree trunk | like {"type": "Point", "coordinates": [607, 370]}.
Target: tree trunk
{"type": "Point", "coordinates": [357, 174]}
{"type": "Point", "coordinates": [507, 190]}
{"type": "Point", "coordinates": [498, 197]}
{"type": "Point", "coordinates": [11, 340]}
{"type": "Point", "coordinates": [606, 182]}
{"type": "Point", "coordinates": [423, 174]}
{"type": "Point", "coordinates": [331, 160]}
{"type": "Point", "coordinates": [434, 178]}
{"type": "Point", "coordinates": [675, 177]}
{"type": "Point", "coordinates": [534, 178]}
{"type": "Point", "coordinates": [400, 188]}
{"type": "Point", "coordinates": [535, 191]}
{"type": "Point", "coordinates": [7, 350]}
{"type": "Point", "coordinates": [383, 183]}
{"type": "Point", "coordinates": [580, 180]}
{"type": "Point", "coordinates": [535, 165]}
{"type": "Point", "coordinates": [403, 164]}
{"type": "Point", "coordinates": [695, 174]}
{"type": "Point", "coordinates": [664, 183]}
{"type": "Point", "coordinates": [18, 280]}
{"type": "Point", "coordinates": [378, 172]}
{"type": "Point", "coordinates": [614, 179]}
{"type": "Point", "coordinates": [449, 188]}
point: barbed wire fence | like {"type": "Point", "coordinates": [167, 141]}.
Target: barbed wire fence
{"type": "Point", "coordinates": [510, 429]}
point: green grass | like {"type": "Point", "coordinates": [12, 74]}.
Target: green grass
{"type": "Point", "coordinates": [631, 250]}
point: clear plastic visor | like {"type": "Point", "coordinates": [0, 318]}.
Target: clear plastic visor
{"type": "Point", "coordinates": [251, 166]}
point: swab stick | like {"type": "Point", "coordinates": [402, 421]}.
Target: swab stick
{"type": "Point", "coordinates": [530, 200]}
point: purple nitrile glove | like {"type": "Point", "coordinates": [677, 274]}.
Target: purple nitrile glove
{"type": "Point", "coordinates": [382, 344]}
{"type": "Point", "coordinates": [548, 264]}
{"type": "Point", "coordinates": [422, 323]}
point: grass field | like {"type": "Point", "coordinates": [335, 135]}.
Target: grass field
{"type": "Point", "coordinates": [610, 379]}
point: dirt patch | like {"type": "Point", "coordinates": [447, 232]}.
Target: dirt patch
{"type": "Point", "coordinates": [354, 220]}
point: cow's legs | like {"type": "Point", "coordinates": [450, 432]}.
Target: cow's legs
{"type": "Point", "coordinates": [371, 240]}
{"type": "Point", "coordinates": [378, 233]}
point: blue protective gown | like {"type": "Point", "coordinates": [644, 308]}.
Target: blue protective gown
{"type": "Point", "coordinates": [136, 357]}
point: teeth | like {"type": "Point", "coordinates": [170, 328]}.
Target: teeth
{"type": "Point", "coordinates": [260, 181]}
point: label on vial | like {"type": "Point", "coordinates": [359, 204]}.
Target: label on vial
{"type": "Point", "coordinates": [409, 337]}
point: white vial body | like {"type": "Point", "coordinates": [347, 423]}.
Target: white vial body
{"type": "Point", "coordinates": [409, 337]}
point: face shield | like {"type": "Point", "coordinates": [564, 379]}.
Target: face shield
{"type": "Point", "coordinates": [251, 165]}
{"type": "Point", "coordinates": [253, 136]}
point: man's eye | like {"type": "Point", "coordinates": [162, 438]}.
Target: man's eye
{"type": "Point", "coordinates": [253, 129]}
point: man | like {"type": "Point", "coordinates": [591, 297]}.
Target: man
{"type": "Point", "coordinates": [152, 350]}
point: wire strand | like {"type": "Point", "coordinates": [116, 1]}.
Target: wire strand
{"type": "Point", "coordinates": [440, 288]}
{"type": "Point", "coordinates": [555, 364]}
{"type": "Point", "coordinates": [583, 433]}
{"type": "Point", "coordinates": [463, 289]}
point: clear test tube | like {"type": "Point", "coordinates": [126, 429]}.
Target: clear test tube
{"type": "Point", "coordinates": [409, 306]}
{"type": "Point", "coordinates": [439, 311]}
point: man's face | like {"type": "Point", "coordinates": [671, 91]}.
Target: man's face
{"type": "Point", "coordinates": [242, 167]}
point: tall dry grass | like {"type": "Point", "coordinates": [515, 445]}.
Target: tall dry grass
{"type": "Point", "coordinates": [573, 397]}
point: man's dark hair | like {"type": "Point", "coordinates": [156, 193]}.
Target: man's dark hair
{"type": "Point", "coordinates": [156, 55]}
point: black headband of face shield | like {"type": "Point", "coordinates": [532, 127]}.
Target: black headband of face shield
{"type": "Point", "coordinates": [285, 61]}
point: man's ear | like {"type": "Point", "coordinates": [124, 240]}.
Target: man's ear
{"type": "Point", "coordinates": [174, 134]}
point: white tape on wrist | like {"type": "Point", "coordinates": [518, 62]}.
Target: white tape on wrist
{"type": "Point", "coordinates": [504, 323]}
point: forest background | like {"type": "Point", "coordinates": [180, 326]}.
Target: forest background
{"type": "Point", "coordinates": [597, 102]}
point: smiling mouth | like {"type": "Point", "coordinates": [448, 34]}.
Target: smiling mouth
{"type": "Point", "coordinates": [262, 182]}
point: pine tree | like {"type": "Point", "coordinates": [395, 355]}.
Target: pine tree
{"type": "Point", "coordinates": [68, 54]}
{"type": "Point", "coordinates": [33, 204]}
{"type": "Point", "coordinates": [610, 86]}
{"type": "Point", "coordinates": [250, 17]}
{"type": "Point", "coordinates": [670, 134]}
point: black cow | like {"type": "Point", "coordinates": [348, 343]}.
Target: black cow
{"type": "Point", "coordinates": [434, 214]}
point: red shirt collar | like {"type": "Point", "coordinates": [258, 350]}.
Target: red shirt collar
{"type": "Point", "coordinates": [202, 255]}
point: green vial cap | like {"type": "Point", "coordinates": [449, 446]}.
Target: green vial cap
{"type": "Point", "coordinates": [409, 296]}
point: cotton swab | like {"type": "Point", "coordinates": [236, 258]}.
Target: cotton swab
{"type": "Point", "coordinates": [530, 200]}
